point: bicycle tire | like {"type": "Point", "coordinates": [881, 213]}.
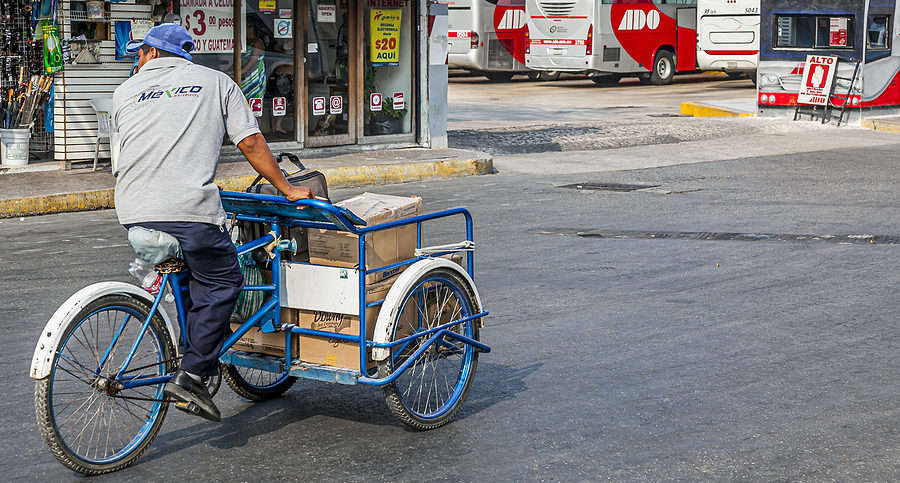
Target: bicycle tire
{"type": "Point", "coordinates": [93, 324]}
{"type": "Point", "coordinates": [273, 385]}
{"type": "Point", "coordinates": [444, 288]}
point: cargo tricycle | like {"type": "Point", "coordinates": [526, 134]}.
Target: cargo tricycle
{"type": "Point", "coordinates": [103, 358]}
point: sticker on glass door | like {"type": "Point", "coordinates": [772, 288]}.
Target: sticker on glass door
{"type": "Point", "coordinates": [318, 106]}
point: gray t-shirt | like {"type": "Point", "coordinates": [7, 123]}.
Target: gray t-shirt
{"type": "Point", "coordinates": [171, 117]}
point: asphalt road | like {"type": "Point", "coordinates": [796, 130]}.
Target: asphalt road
{"type": "Point", "coordinates": [734, 319]}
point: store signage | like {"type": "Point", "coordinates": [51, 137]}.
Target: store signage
{"type": "Point", "coordinates": [326, 13]}
{"type": "Point", "coordinates": [375, 102]}
{"type": "Point", "coordinates": [399, 101]}
{"type": "Point", "coordinates": [267, 6]}
{"type": "Point", "coordinates": [336, 105]}
{"type": "Point", "coordinates": [284, 28]}
{"type": "Point", "coordinates": [318, 106]}
{"type": "Point", "coordinates": [256, 105]}
{"type": "Point", "coordinates": [279, 106]}
{"type": "Point", "coordinates": [211, 25]}
{"type": "Point", "coordinates": [815, 87]}
{"type": "Point", "coordinates": [384, 36]}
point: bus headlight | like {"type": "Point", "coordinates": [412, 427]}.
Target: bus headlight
{"type": "Point", "coordinates": [769, 80]}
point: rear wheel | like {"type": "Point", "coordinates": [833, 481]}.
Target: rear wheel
{"type": "Point", "coordinates": [663, 68]}
{"type": "Point", "coordinates": [255, 384]}
{"type": "Point", "coordinates": [499, 76]}
{"type": "Point", "coordinates": [550, 75]}
{"type": "Point", "coordinates": [92, 425]}
{"type": "Point", "coordinates": [432, 389]}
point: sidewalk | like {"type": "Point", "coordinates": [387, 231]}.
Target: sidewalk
{"type": "Point", "coordinates": [44, 189]}
{"type": "Point", "coordinates": [724, 108]}
{"type": "Point", "coordinates": [882, 123]}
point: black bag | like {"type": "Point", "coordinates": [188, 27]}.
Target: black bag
{"type": "Point", "coordinates": [310, 178]}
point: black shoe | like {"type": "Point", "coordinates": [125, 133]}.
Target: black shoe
{"type": "Point", "coordinates": [192, 396]}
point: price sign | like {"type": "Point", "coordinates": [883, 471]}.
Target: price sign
{"type": "Point", "coordinates": [384, 46]}
{"type": "Point", "coordinates": [212, 27]}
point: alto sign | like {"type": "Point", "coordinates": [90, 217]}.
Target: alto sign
{"type": "Point", "coordinates": [815, 87]}
{"type": "Point", "coordinates": [638, 20]}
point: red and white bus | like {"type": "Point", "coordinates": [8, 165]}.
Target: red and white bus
{"type": "Point", "coordinates": [863, 31]}
{"type": "Point", "coordinates": [728, 36]}
{"type": "Point", "coordinates": [488, 36]}
{"type": "Point", "coordinates": [610, 39]}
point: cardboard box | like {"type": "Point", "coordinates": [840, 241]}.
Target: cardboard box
{"type": "Point", "coordinates": [335, 352]}
{"type": "Point", "coordinates": [258, 342]}
{"type": "Point", "coordinates": [341, 249]}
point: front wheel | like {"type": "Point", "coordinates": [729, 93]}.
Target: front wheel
{"type": "Point", "coordinates": [90, 423]}
{"type": "Point", "coordinates": [663, 68]}
{"type": "Point", "coordinates": [431, 390]}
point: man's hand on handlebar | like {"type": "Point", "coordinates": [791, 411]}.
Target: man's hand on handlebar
{"type": "Point", "coordinates": [299, 193]}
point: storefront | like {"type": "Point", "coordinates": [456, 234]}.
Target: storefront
{"type": "Point", "coordinates": [316, 73]}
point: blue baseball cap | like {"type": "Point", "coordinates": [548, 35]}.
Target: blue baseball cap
{"type": "Point", "coordinates": [166, 36]}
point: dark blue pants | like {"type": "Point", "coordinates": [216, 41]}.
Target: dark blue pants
{"type": "Point", "coordinates": [215, 283]}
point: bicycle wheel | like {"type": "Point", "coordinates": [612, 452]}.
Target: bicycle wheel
{"type": "Point", "coordinates": [430, 392]}
{"type": "Point", "coordinates": [90, 425]}
{"type": "Point", "coordinates": [255, 384]}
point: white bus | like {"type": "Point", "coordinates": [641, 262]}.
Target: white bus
{"type": "Point", "coordinates": [728, 36]}
{"type": "Point", "coordinates": [609, 39]}
{"type": "Point", "coordinates": [488, 37]}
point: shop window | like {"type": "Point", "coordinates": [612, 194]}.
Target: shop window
{"type": "Point", "coordinates": [814, 31]}
{"type": "Point", "coordinates": [877, 34]}
{"type": "Point", "coordinates": [389, 69]}
{"type": "Point", "coordinates": [90, 19]}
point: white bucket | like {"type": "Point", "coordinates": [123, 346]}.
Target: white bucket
{"type": "Point", "coordinates": [14, 146]}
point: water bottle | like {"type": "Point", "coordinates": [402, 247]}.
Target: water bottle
{"type": "Point", "coordinates": [146, 274]}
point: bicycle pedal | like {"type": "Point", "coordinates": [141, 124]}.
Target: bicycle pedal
{"type": "Point", "coordinates": [188, 407]}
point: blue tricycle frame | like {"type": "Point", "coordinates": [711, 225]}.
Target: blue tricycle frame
{"type": "Point", "coordinates": [437, 294]}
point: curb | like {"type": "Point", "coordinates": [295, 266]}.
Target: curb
{"type": "Point", "coordinates": [698, 109]}
{"type": "Point", "coordinates": [337, 178]}
{"type": "Point", "coordinates": [880, 125]}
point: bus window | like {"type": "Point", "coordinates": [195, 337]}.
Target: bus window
{"type": "Point", "coordinates": [877, 36]}
{"type": "Point", "coordinates": [814, 31]}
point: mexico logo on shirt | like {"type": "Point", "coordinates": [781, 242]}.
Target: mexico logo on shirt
{"type": "Point", "coordinates": [185, 91]}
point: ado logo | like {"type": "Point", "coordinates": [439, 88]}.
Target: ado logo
{"type": "Point", "coordinates": [638, 19]}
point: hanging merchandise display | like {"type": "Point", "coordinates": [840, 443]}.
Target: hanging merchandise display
{"type": "Point", "coordinates": [384, 38]}
{"type": "Point", "coordinates": [29, 50]}
{"type": "Point", "coordinates": [53, 61]}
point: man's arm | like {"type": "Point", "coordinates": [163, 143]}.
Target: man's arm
{"type": "Point", "coordinates": [257, 152]}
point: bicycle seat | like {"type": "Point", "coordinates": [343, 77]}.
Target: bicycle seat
{"type": "Point", "coordinates": [154, 246]}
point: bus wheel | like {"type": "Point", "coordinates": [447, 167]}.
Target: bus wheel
{"type": "Point", "coordinates": [534, 75]}
{"type": "Point", "coordinates": [663, 68]}
{"type": "Point", "coordinates": [606, 80]}
{"type": "Point", "coordinates": [550, 75]}
{"type": "Point", "coordinates": [499, 76]}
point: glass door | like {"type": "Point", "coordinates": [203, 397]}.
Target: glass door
{"type": "Point", "coordinates": [331, 72]}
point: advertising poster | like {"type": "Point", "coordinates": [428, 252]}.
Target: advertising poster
{"type": "Point", "coordinates": [211, 25]}
{"type": "Point", "coordinates": [838, 30]}
{"type": "Point", "coordinates": [384, 36]}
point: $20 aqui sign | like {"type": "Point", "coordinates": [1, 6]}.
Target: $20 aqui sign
{"type": "Point", "coordinates": [384, 36]}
